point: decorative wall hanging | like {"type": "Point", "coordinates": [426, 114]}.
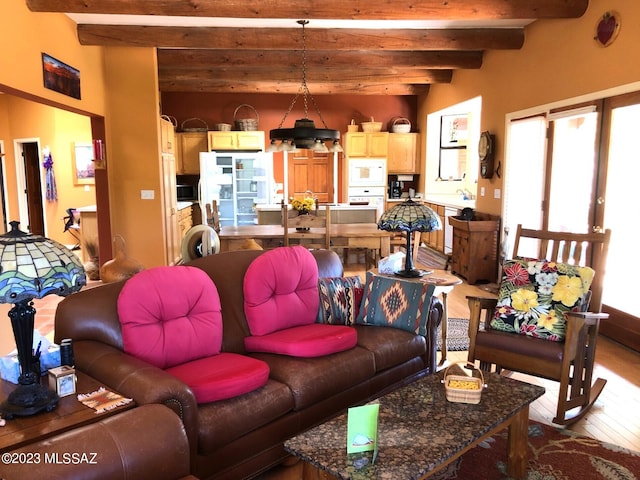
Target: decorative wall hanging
{"type": "Point", "coordinates": [50, 178]}
{"type": "Point", "coordinates": [60, 77]}
{"type": "Point", "coordinates": [83, 166]}
{"type": "Point", "coordinates": [607, 29]}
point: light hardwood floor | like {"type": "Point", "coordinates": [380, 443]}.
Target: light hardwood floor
{"type": "Point", "coordinates": [614, 418]}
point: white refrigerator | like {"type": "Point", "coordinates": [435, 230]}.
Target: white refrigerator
{"type": "Point", "coordinates": [238, 181]}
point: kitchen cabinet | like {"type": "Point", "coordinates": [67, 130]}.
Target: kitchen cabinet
{"type": "Point", "coordinates": [366, 144]}
{"type": "Point", "coordinates": [185, 221]}
{"type": "Point", "coordinates": [313, 171]}
{"type": "Point", "coordinates": [167, 136]}
{"type": "Point", "coordinates": [441, 240]}
{"type": "Point", "coordinates": [475, 248]}
{"type": "Point", "coordinates": [188, 148]}
{"type": "Point", "coordinates": [233, 140]}
{"type": "Point", "coordinates": [403, 148]}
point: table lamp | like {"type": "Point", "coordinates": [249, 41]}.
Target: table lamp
{"type": "Point", "coordinates": [32, 266]}
{"type": "Point", "coordinates": [409, 217]}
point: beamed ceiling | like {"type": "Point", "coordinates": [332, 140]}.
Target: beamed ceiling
{"type": "Point", "coordinates": [357, 47]}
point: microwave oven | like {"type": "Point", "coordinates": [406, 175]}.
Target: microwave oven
{"type": "Point", "coordinates": [186, 192]}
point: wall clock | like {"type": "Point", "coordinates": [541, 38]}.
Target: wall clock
{"type": "Point", "coordinates": [485, 152]}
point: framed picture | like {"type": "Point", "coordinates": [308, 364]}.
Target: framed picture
{"type": "Point", "coordinates": [84, 172]}
{"type": "Point", "coordinates": [60, 77]}
{"type": "Point", "coordinates": [453, 131]}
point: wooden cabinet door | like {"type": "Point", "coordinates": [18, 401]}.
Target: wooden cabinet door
{"type": "Point", "coordinates": [190, 144]}
{"type": "Point", "coordinates": [378, 144]}
{"type": "Point", "coordinates": [361, 144]}
{"type": "Point", "coordinates": [167, 136]}
{"type": "Point", "coordinates": [312, 171]}
{"type": "Point", "coordinates": [222, 140]}
{"type": "Point", "coordinates": [402, 153]}
{"type": "Point", "coordinates": [250, 140]}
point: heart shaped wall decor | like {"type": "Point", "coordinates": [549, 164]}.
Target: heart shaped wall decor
{"type": "Point", "coordinates": [607, 29]}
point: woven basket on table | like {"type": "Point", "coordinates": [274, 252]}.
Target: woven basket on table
{"type": "Point", "coordinates": [245, 124]}
{"type": "Point", "coordinates": [458, 394]}
{"type": "Point", "coordinates": [199, 125]}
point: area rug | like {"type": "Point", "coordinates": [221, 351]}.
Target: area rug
{"type": "Point", "coordinates": [427, 257]}
{"type": "Point", "coordinates": [457, 335]}
{"type": "Point", "coordinates": [554, 454]}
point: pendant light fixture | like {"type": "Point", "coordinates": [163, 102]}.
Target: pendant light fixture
{"type": "Point", "coordinates": [304, 134]}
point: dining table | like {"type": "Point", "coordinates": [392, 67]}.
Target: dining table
{"type": "Point", "coordinates": [343, 235]}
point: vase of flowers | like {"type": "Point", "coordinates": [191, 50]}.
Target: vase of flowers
{"type": "Point", "coordinates": [303, 207]}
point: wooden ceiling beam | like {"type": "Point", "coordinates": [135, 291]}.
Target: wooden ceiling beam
{"type": "Point", "coordinates": [317, 75]}
{"type": "Point", "coordinates": [203, 58]}
{"type": "Point", "coordinates": [317, 89]}
{"type": "Point", "coordinates": [289, 38]}
{"type": "Point", "coordinates": [325, 9]}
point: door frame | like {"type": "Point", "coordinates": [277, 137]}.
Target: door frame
{"type": "Point", "coordinates": [21, 183]}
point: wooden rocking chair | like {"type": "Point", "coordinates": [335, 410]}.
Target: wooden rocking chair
{"type": "Point", "coordinates": [569, 362]}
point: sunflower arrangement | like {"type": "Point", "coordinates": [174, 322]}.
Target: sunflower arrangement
{"type": "Point", "coordinates": [304, 205]}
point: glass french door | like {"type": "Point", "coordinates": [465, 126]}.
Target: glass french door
{"type": "Point", "coordinates": [575, 170]}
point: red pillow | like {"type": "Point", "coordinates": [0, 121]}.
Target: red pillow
{"type": "Point", "coordinates": [305, 341]}
{"type": "Point", "coordinates": [281, 290]}
{"type": "Point", "coordinates": [170, 315]}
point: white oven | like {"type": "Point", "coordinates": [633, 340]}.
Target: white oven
{"type": "Point", "coordinates": [372, 196]}
{"type": "Point", "coordinates": [367, 172]}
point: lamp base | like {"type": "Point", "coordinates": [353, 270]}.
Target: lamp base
{"type": "Point", "coordinates": [413, 273]}
{"type": "Point", "coordinates": [28, 400]}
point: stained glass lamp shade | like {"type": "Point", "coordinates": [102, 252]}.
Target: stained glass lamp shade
{"type": "Point", "coordinates": [32, 266]}
{"type": "Point", "coordinates": [410, 216]}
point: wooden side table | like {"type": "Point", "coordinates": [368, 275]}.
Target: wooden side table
{"type": "Point", "coordinates": [444, 284]}
{"type": "Point", "coordinates": [69, 414]}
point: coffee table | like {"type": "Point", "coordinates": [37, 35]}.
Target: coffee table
{"type": "Point", "coordinates": [68, 414]}
{"type": "Point", "coordinates": [420, 432]}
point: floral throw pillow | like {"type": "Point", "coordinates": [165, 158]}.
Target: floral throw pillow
{"type": "Point", "coordinates": [535, 295]}
{"type": "Point", "coordinates": [339, 300]}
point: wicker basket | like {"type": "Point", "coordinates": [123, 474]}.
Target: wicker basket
{"type": "Point", "coordinates": [371, 126]}
{"type": "Point", "coordinates": [401, 125]}
{"type": "Point", "coordinates": [352, 127]}
{"type": "Point", "coordinates": [222, 127]}
{"type": "Point", "coordinates": [200, 127]}
{"type": "Point", "coordinates": [171, 119]}
{"type": "Point", "coordinates": [463, 395]}
{"type": "Point", "coordinates": [245, 124]}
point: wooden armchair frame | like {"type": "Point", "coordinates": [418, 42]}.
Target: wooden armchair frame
{"type": "Point", "coordinates": [570, 362]}
{"type": "Point", "coordinates": [312, 230]}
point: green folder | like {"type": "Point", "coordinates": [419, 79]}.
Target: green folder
{"type": "Point", "coordinates": [362, 428]}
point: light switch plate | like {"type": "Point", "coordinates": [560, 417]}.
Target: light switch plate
{"type": "Point", "coordinates": [496, 193]}
{"type": "Point", "coordinates": [482, 191]}
{"type": "Point", "coordinates": [147, 194]}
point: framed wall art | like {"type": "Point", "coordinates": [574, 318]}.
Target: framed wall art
{"type": "Point", "coordinates": [60, 77]}
{"type": "Point", "coordinates": [84, 172]}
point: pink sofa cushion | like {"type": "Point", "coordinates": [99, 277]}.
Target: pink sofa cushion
{"type": "Point", "coordinates": [222, 376]}
{"type": "Point", "coordinates": [281, 290]}
{"type": "Point", "coordinates": [170, 315]}
{"type": "Point", "coordinates": [315, 340]}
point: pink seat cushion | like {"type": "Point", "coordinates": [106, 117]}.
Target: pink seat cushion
{"type": "Point", "coordinates": [315, 340]}
{"type": "Point", "coordinates": [281, 290]}
{"type": "Point", "coordinates": [222, 376]}
{"type": "Point", "coordinates": [170, 315]}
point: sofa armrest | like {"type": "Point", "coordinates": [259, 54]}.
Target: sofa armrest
{"type": "Point", "coordinates": [112, 448]}
{"type": "Point", "coordinates": [137, 379]}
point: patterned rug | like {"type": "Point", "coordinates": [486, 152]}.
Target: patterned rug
{"type": "Point", "coordinates": [457, 335]}
{"type": "Point", "coordinates": [427, 257]}
{"type": "Point", "coordinates": [554, 454]}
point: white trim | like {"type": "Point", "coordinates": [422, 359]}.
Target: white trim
{"type": "Point", "coordinates": [574, 112]}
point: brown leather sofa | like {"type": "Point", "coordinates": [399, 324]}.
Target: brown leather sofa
{"type": "Point", "coordinates": [243, 436]}
{"type": "Point", "coordinates": [111, 449]}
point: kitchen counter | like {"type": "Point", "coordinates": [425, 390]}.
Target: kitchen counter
{"type": "Point", "coordinates": [340, 213]}
{"type": "Point", "coordinates": [182, 205]}
{"type": "Point", "coordinates": [454, 201]}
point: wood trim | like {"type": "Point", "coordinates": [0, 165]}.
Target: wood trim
{"type": "Point", "coordinates": [622, 327]}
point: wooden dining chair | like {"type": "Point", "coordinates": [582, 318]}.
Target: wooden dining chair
{"type": "Point", "coordinates": [539, 324]}
{"type": "Point", "coordinates": [213, 215]}
{"type": "Point", "coordinates": [311, 230]}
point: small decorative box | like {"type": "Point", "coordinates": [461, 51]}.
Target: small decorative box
{"type": "Point", "coordinates": [63, 380]}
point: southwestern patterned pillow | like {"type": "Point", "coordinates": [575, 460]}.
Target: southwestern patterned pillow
{"type": "Point", "coordinates": [535, 295]}
{"type": "Point", "coordinates": [393, 302]}
{"type": "Point", "coordinates": [339, 300]}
